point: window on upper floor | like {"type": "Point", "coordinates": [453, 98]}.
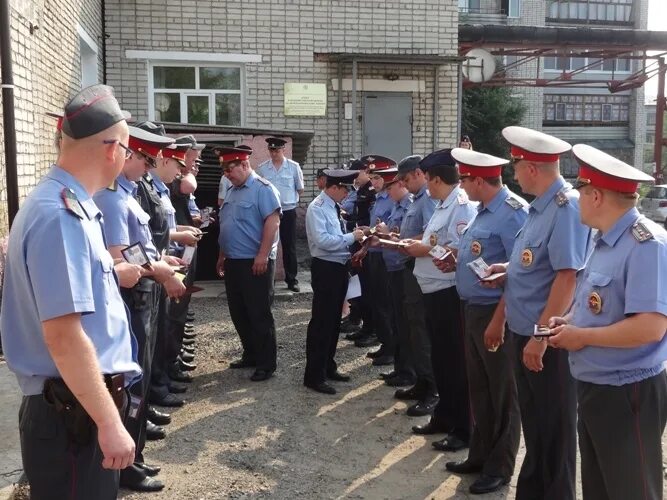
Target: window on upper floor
{"type": "Point", "coordinates": [591, 64]}
{"type": "Point", "coordinates": [197, 94]}
{"type": "Point", "coordinates": [590, 11]}
{"type": "Point", "coordinates": [580, 109]}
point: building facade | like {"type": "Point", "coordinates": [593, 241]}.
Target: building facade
{"type": "Point", "coordinates": [56, 49]}
{"type": "Point", "coordinates": [612, 122]}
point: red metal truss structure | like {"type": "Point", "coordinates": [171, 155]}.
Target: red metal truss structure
{"type": "Point", "coordinates": [528, 44]}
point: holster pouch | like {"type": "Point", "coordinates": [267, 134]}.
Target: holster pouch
{"type": "Point", "coordinates": [78, 423]}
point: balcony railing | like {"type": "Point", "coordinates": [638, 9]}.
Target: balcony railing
{"type": "Point", "coordinates": [471, 15]}
{"type": "Point", "coordinates": [607, 12]}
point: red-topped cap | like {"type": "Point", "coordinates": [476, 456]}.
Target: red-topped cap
{"type": "Point", "coordinates": [234, 154]}
{"type": "Point", "coordinates": [601, 170]}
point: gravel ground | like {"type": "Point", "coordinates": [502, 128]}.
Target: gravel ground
{"type": "Point", "coordinates": [276, 439]}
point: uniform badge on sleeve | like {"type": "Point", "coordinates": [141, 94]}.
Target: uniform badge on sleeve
{"type": "Point", "coordinates": [433, 239]}
{"type": "Point", "coordinates": [641, 233]}
{"type": "Point", "coordinates": [476, 248]}
{"type": "Point", "coordinates": [72, 203]}
{"type": "Point", "coordinates": [526, 257]}
{"type": "Point", "coordinates": [461, 227]}
{"type": "Point", "coordinates": [595, 303]}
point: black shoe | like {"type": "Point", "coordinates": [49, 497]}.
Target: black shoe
{"type": "Point", "coordinates": [158, 417]}
{"type": "Point", "coordinates": [487, 484]}
{"type": "Point", "coordinates": [338, 376]}
{"type": "Point", "coordinates": [242, 363]}
{"type": "Point", "coordinates": [145, 485]}
{"type": "Point", "coordinates": [413, 393]}
{"type": "Point", "coordinates": [294, 287]}
{"type": "Point", "coordinates": [177, 389]}
{"type": "Point", "coordinates": [188, 349]}
{"type": "Point", "coordinates": [463, 467]}
{"type": "Point", "coordinates": [322, 387]}
{"type": "Point", "coordinates": [432, 427]}
{"type": "Point", "coordinates": [189, 326]}
{"type": "Point", "coordinates": [400, 381]}
{"type": "Point", "coordinates": [354, 335]}
{"type": "Point", "coordinates": [179, 376]}
{"type": "Point", "coordinates": [188, 357]}
{"type": "Point", "coordinates": [186, 367]}
{"type": "Point", "coordinates": [149, 470]}
{"type": "Point", "coordinates": [366, 341]}
{"type": "Point", "coordinates": [388, 375]}
{"type": "Point", "coordinates": [188, 342]}
{"type": "Point", "coordinates": [383, 360]}
{"type": "Point", "coordinates": [450, 443]}
{"type": "Point", "coordinates": [189, 335]}
{"type": "Point", "coordinates": [169, 401]}
{"type": "Point", "coordinates": [376, 353]}
{"type": "Point", "coordinates": [261, 375]}
{"type": "Point", "coordinates": [154, 432]}
{"type": "Point", "coordinates": [350, 327]}
{"type": "Point", "coordinates": [424, 407]}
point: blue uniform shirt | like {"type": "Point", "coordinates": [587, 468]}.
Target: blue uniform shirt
{"type": "Point", "coordinates": [623, 276]}
{"type": "Point", "coordinates": [491, 236]}
{"type": "Point", "coordinates": [347, 205]}
{"type": "Point", "coordinates": [381, 211]}
{"type": "Point", "coordinates": [125, 222]}
{"type": "Point", "coordinates": [450, 218]}
{"type": "Point", "coordinates": [552, 239]}
{"type": "Point", "coordinates": [58, 264]}
{"type": "Point", "coordinates": [326, 240]}
{"type": "Point", "coordinates": [394, 260]}
{"type": "Point", "coordinates": [242, 217]}
{"type": "Point", "coordinates": [288, 180]}
{"type": "Point", "coordinates": [418, 214]}
{"type": "Point", "coordinates": [192, 206]}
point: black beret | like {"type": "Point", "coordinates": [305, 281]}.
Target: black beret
{"type": "Point", "coordinates": [408, 164]}
{"type": "Point", "coordinates": [440, 158]}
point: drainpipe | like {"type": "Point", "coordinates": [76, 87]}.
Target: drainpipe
{"type": "Point", "coordinates": [103, 8]}
{"type": "Point", "coordinates": [7, 85]}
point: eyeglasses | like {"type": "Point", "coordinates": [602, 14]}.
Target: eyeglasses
{"type": "Point", "coordinates": [228, 168]}
{"type": "Point", "coordinates": [150, 162]}
{"type": "Point", "coordinates": [128, 152]}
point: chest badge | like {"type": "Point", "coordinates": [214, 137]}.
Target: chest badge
{"type": "Point", "coordinates": [433, 239]}
{"type": "Point", "coordinates": [476, 248]}
{"type": "Point", "coordinates": [595, 303]}
{"type": "Point", "coordinates": [526, 257]}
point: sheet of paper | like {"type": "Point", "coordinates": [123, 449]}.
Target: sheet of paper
{"type": "Point", "coordinates": [353, 288]}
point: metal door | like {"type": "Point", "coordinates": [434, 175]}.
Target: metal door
{"type": "Point", "coordinates": [387, 124]}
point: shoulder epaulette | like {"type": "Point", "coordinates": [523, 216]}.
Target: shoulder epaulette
{"type": "Point", "coordinates": [462, 199]}
{"type": "Point", "coordinates": [263, 180]}
{"type": "Point", "coordinates": [641, 233]}
{"type": "Point", "coordinates": [113, 186]}
{"type": "Point", "coordinates": [562, 199]}
{"type": "Point", "coordinates": [318, 202]}
{"type": "Point", "coordinates": [72, 203]}
{"type": "Point", "coordinates": [514, 203]}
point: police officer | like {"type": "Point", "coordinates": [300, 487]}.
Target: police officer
{"type": "Point", "coordinates": [494, 441]}
{"type": "Point", "coordinates": [126, 223]}
{"type": "Point", "coordinates": [549, 250]}
{"type": "Point", "coordinates": [329, 248]}
{"type": "Point", "coordinates": [287, 177]}
{"type": "Point", "coordinates": [380, 168]}
{"type": "Point", "coordinates": [249, 220]}
{"type": "Point", "coordinates": [65, 330]}
{"type": "Point", "coordinates": [414, 222]}
{"type": "Point", "coordinates": [616, 335]}
{"type": "Point", "coordinates": [441, 301]}
{"type": "Point", "coordinates": [358, 206]}
{"type": "Point", "coordinates": [403, 372]}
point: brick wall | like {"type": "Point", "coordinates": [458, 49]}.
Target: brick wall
{"type": "Point", "coordinates": [46, 73]}
{"type": "Point", "coordinates": [288, 34]}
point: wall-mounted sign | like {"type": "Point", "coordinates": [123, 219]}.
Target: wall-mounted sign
{"type": "Point", "coordinates": [305, 99]}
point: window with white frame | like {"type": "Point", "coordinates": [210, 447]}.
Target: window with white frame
{"type": "Point", "coordinates": [563, 63]}
{"type": "Point", "coordinates": [206, 94]}
{"type": "Point", "coordinates": [577, 109]}
{"type": "Point", "coordinates": [590, 11]}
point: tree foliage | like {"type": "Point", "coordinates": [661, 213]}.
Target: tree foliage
{"type": "Point", "coordinates": [486, 111]}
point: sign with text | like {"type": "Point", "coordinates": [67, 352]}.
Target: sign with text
{"type": "Point", "coordinates": [305, 99]}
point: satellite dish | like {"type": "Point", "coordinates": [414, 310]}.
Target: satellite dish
{"type": "Point", "coordinates": [480, 66]}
